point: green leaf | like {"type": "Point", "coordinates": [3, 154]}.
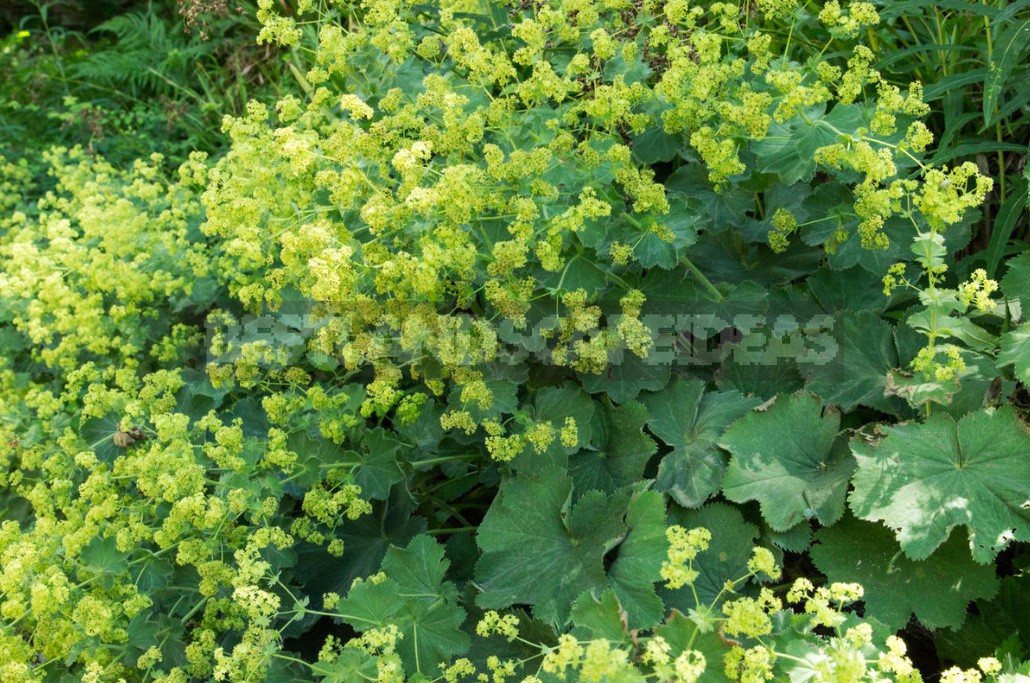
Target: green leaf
{"type": "Point", "coordinates": [937, 589]}
{"type": "Point", "coordinates": [690, 420]}
{"type": "Point", "coordinates": [371, 605]}
{"type": "Point", "coordinates": [366, 540]}
{"type": "Point", "coordinates": [652, 251]}
{"type": "Point", "coordinates": [756, 366]}
{"type": "Point", "coordinates": [1015, 351]}
{"type": "Point", "coordinates": [620, 450]}
{"type": "Point", "coordinates": [790, 460]}
{"type": "Point", "coordinates": [1009, 213]}
{"type": "Point", "coordinates": [972, 146]}
{"type": "Point", "coordinates": [929, 249]}
{"type": "Point", "coordinates": [682, 634]}
{"type": "Point", "coordinates": [995, 620]}
{"type": "Point", "coordinates": [420, 568]}
{"type": "Point", "coordinates": [638, 564]}
{"type": "Point", "coordinates": [725, 560]}
{"type": "Point", "coordinates": [848, 290]}
{"type": "Point", "coordinates": [917, 391]}
{"type": "Point", "coordinates": [415, 598]}
{"type": "Point", "coordinates": [936, 318]}
{"type": "Point", "coordinates": [788, 148]}
{"type": "Point", "coordinates": [1008, 47]}
{"type": "Point", "coordinates": [554, 405]}
{"type": "Point", "coordinates": [505, 400]}
{"type": "Point", "coordinates": [557, 403]}
{"type": "Point", "coordinates": [351, 664]}
{"type": "Point", "coordinates": [314, 455]}
{"type": "Point", "coordinates": [915, 8]}
{"type": "Point", "coordinates": [600, 617]}
{"type": "Point", "coordinates": [377, 469]}
{"type": "Point", "coordinates": [980, 386]}
{"type": "Point", "coordinates": [718, 211]}
{"type": "Point", "coordinates": [542, 550]}
{"type": "Point", "coordinates": [955, 81]}
{"type": "Point", "coordinates": [654, 144]}
{"type": "Point", "coordinates": [857, 373]}
{"type": "Point", "coordinates": [627, 376]}
{"type": "Point", "coordinates": [579, 273]}
{"type": "Point", "coordinates": [104, 560]}
{"type": "Point", "coordinates": [795, 539]}
{"type": "Point", "coordinates": [424, 432]}
{"type": "Point", "coordinates": [98, 433]}
{"type": "Point", "coordinates": [1016, 283]}
{"type": "Point", "coordinates": [900, 233]}
{"type": "Point", "coordinates": [923, 480]}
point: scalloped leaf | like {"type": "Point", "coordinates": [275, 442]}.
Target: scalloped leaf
{"type": "Point", "coordinates": [937, 590]}
{"type": "Point", "coordinates": [627, 376]}
{"type": "Point", "coordinates": [789, 458]}
{"type": "Point", "coordinates": [620, 449]}
{"type": "Point", "coordinates": [1015, 351]}
{"type": "Point", "coordinates": [415, 598]}
{"type": "Point", "coordinates": [925, 479]}
{"type": "Point", "coordinates": [638, 564]}
{"type": "Point", "coordinates": [601, 617]}
{"type": "Point", "coordinates": [726, 558]}
{"type": "Point", "coordinates": [856, 374]}
{"type": "Point", "coordinates": [1016, 283]}
{"type": "Point", "coordinates": [540, 550]}
{"type": "Point", "coordinates": [691, 420]}
{"type": "Point", "coordinates": [788, 149]}
{"type": "Point", "coordinates": [683, 634]}
{"type": "Point", "coordinates": [1006, 615]}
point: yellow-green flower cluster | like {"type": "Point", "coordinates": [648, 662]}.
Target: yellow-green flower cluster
{"type": "Point", "coordinates": [494, 623]}
{"type": "Point", "coordinates": [824, 603]}
{"type": "Point", "coordinates": [977, 290]}
{"type": "Point", "coordinates": [677, 571]}
{"type": "Point", "coordinates": [928, 362]}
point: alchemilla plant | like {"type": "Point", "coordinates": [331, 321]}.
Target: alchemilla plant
{"type": "Point", "coordinates": [557, 340]}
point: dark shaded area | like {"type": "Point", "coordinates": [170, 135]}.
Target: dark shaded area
{"type": "Point", "coordinates": [308, 645]}
{"type": "Point", "coordinates": [70, 15]}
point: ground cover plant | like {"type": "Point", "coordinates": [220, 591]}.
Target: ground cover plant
{"type": "Point", "coordinates": [571, 340]}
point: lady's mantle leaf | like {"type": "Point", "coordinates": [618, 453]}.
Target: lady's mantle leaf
{"type": "Point", "coordinates": [937, 589]}
{"type": "Point", "coordinates": [683, 634]}
{"type": "Point", "coordinates": [626, 376]}
{"type": "Point", "coordinates": [925, 479]}
{"type": "Point", "coordinates": [790, 460]}
{"type": "Point", "coordinates": [1015, 351]}
{"type": "Point", "coordinates": [726, 557]}
{"type": "Point", "coordinates": [619, 452]}
{"type": "Point", "coordinates": [541, 549]}
{"type": "Point", "coordinates": [1006, 616]}
{"type": "Point", "coordinates": [1016, 283]}
{"type": "Point", "coordinates": [639, 561]}
{"type": "Point", "coordinates": [601, 617]}
{"type": "Point", "coordinates": [856, 371]}
{"type": "Point", "coordinates": [415, 598]}
{"type": "Point", "coordinates": [690, 420]}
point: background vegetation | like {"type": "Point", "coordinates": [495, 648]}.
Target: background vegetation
{"type": "Point", "coordinates": [341, 341]}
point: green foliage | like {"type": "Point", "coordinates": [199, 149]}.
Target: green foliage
{"type": "Point", "coordinates": [414, 598]}
{"type": "Point", "coordinates": [937, 590]}
{"type": "Point", "coordinates": [923, 480]}
{"type": "Point", "coordinates": [131, 83]}
{"type": "Point", "coordinates": [516, 342]}
{"type": "Point", "coordinates": [690, 420]}
{"type": "Point", "coordinates": [790, 459]}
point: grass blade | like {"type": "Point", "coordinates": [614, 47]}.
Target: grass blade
{"type": "Point", "coordinates": [1010, 45]}
{"type": "Point", "coordinates": [1004, 223]}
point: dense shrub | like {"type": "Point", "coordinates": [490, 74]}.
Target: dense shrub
{"type": "Point", "coordinates": [544, 341]}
